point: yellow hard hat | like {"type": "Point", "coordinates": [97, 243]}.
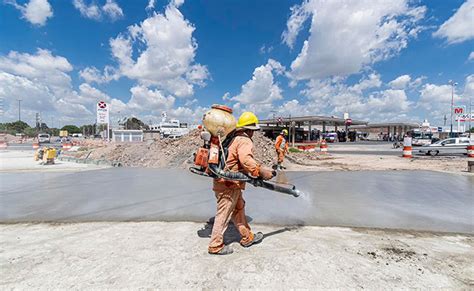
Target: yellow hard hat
{"type": "Point", "coordinates": [284, 131]}
{"type": "Point", "coordinates": [248, 120]}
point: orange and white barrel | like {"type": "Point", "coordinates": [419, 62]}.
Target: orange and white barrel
{"type": "Point", "coordinates": [470, 151]}
{"type": "Point", "coordinates": [324, 147]}
{"type": "Point", "coordinates": [67, 146]}
{"type": "Point", "coordinates": [36, 145]}
{"type": "Point", "coordinates": [407, 150]}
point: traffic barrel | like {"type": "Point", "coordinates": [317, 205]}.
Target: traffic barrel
{"type": "Point", "coordinates": [407, 152]}
{"type": "Point", "coordinates": [36, 145]}
{"type": "Point", "coordinates": [324, 147]}
{"type": "Point", "coordinates": [67, 146]}
{"type": "Point", "coordinates": [470, 151]}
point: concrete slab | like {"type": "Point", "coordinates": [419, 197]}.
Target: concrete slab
{"type": "Point", "coordinates": [418, 200]}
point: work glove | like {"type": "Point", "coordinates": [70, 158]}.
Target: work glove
{"type": "Point", "coordinates": [267, 173]}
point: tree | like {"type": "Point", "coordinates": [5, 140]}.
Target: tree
{"type": "Point", "coordinates": [71, 129]}
{"type": "Point", "coordinates": [135, 123]}
{"type": "Point", "coordinates": [17, 126]}
{"type": "Point", "coordinates": [88, 129]}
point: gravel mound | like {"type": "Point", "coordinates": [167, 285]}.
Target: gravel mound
{"type": "Point", "coordinates": [165, 153]}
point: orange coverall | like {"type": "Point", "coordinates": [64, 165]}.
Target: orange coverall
{"type": "Point", "coordinates": [230, 204]}
{"type": "Point", "coordinates": [281, 147]}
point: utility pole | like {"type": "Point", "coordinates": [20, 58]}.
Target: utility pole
{"type": "Point", "coordinates": [19, 109]}
{"type": "Point", "coordinates": [470, 115]}
{"type": "Point", "coordinates": [453, 84]}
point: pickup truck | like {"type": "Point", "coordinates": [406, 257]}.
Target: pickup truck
{"type": "Point", "coordinates": [447, 146]}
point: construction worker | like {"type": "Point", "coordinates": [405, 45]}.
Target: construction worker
{"type": "Point", "coordinates": [281, 147]}
{"type": "Point", "coordinates": [230, 204]}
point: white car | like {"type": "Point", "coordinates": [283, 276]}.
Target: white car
{"type": "Point", "coordinates": [447, 146]}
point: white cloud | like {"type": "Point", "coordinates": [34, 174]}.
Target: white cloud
{"type": "Point", "coordinates": [93, 11]}
{"type": "Point", "coordinates": [43, 82]}
{"type": "Point", "coordinates": [144, 99]}
{"type": "Point", "coordinates": [346, 36]}
{"type": "Point", "coordinates": [93, 75]}
{"type": "Point", "coordinates": [362, 100]}
{"type": "Point", "coordinates": [167, 58]}
{"type": "Point", "coordinates": [36, 12]}
{"type": "Point", "coordinates": [112, 10]}
{"type": "Point", "coordinates": [436, 97]}
{"type": "Point", "coordinates": [151, 5]}
{"type": "Point", "coordinates": [400, 82]}
{"type": "Point", "coordinates": [471, 56]}
{"type": "Point", "coordinates": [460, 26]}
{"type": "Point", "coordinates": [468, 89]}
{"type": "Point", "coordinates": [299, 14]}
{"type": "Point", "coordinates": [261, 89]}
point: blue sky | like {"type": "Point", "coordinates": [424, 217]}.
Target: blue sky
{"type": "Point", "coordinates": [379, 60]}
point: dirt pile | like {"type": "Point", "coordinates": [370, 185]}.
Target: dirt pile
{"type": "Point", "coordinates": [164, 152]}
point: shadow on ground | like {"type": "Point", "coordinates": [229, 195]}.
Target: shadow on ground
{"type": "Point", "coordinates": [232, 235]}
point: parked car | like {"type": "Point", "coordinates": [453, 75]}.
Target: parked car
{"type": "Point", "coordinates": [330, 137]}
{"type": "Point", "coordinates": [44, 138]}
{"type": "Point", "coordinates": [446, 146]}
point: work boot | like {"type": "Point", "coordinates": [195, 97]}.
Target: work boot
{"type": "Point", "coordinates": [226, 250]}
{"type": "Point", "coordinates": [257, 238]}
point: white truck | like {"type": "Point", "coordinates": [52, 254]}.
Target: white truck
{"type": "Point", "coordinates": [170, 129]}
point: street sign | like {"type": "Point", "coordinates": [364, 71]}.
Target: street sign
{"type": "Point", "coordinates": [102, 112]}
{"type": "Point", "coordinates": [440, 129]}
{"type": "Point", "coordinates": [348, 121]}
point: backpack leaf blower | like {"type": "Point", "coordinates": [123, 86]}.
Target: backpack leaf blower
{"type": "Point", "coordinates": [210, 159]}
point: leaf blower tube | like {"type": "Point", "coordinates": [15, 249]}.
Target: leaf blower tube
{"type": "Point", "coordinates": [216, 172]}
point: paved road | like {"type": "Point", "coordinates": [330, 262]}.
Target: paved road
{"type": "Point", "coordinates": [393, 199]}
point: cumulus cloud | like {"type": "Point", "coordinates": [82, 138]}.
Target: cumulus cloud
{"type": "Point", "coordinates": [400, 82]}
{"type": "Point", "coordinates": [94, 75]}
{"type": "Point", "coordinates": [112, 10]}
{"type": "Point", "coordinates": [459, 27]}
{"type": "Point", "coordinates": [36, 12]}
{"type": "Point", "coordinates": [261, 89]}
{"type": "Point", "coordinates": [364, 99]}
{"type": "Point", "coordinates": [346, 36]}
{"type": "Point", "coordinates": [93, 11]}
{"type": "Point", "coordinates": [471, 56]}
{"type": "Point", "coordinates": [166, 56]}
{"type": "Point", "coordinates": [436, 97]}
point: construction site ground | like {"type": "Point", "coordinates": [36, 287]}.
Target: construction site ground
{"type": "Point", "coordinates": [178, 153]}
{"type": "Point", "coordinates": [165, 255]}
{"type": "Point", "coordinates": [173, 254]}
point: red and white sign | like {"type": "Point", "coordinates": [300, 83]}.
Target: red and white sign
{"type": "Point", "coordinates": [348, 121]}
{"type": "Point", "coordinates": [465, 117]}
{"type": "Point", "coordinates": [102, 113]}
{"type": "Point", "coordinates": [459, 109]}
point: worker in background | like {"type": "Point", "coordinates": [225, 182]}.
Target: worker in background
{"type": "Point", "coordinates": [281, 147]}
{"type": "Point", "coordinates": [230, 204]}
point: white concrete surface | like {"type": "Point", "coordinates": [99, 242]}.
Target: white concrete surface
{"type": "Point", "coordinates": [23, 161]}
{"type": "Point", "coordinates": [174, 255]}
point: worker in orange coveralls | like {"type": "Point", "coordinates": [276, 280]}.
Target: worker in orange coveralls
{"type": "Point", "coordinates": [230, 204]}
{"type": "Point", "coordinates": [281, 147]}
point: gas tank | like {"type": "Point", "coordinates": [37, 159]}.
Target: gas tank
{"type": "Point", "coordinates": [219, 121]}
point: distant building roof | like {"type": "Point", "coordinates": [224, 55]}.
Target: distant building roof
{"type": "Point", "coordinates": [315, 120]}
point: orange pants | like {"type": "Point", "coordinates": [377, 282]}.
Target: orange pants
{"type": "Point", "coordinates": [280, 156]}
{"type": "Point", "coordinates": [230, 205]}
